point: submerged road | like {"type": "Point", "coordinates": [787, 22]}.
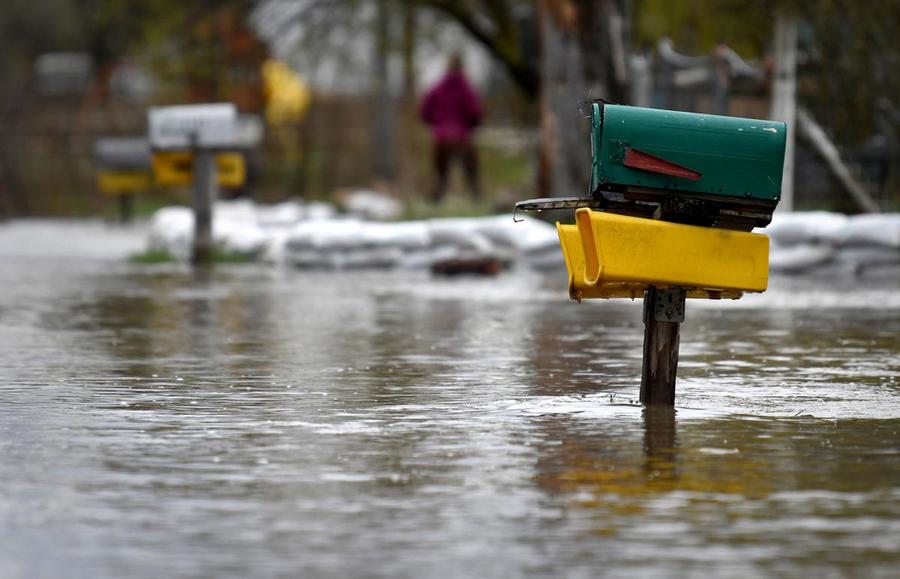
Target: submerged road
{"type": "Point", "coordinates": [257, 422]}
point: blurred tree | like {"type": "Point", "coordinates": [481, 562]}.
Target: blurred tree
{"type": "Point", "coordinates": [852, 54]}
{"type": "Point", "coordinates": [495, 25]}
{"type": "Point", "coordinates": [26, 31]}
{"type": "Point", "coordinates": [584, 56]}
{"type": "Point", "coordinates": [203, 47]}
{"type": "Point", "coordinates": [849, 78]}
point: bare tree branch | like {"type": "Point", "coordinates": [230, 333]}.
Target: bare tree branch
{"type": "Point", "coordinates": [502, 42]}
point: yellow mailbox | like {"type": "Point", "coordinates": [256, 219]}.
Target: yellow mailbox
{"type": "Point", "coordinates": [174, 168]}
{"type": "Point", "coordinates": [609, 255]}
{"type": "Point", "coordinates": [122, 165]}
{"type": "Point", "coordinates": [113, 183]}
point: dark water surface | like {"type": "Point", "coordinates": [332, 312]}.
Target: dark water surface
{"type": "Point", "coordinates": [256, 422]}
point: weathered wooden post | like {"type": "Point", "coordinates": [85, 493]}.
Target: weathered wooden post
{"type": "Point", "coordinates": [673, 199]}
{"type": "Point", "coordinates": [663, 314]}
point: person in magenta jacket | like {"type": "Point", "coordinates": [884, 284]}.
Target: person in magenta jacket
{"type": "Point", "coordinates": [452, 109]}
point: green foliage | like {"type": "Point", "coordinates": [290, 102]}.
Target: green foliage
{"type": "Point", "coordinates": [220, 256]}
{"type": "Point", "coordinates": [453, 205]}
{"type": "Point", "coordinates": [697, 26]}
{"type": "Point", "coordinates": [156, 256]}
{"type": "Point", "coordinates": [152, 256]}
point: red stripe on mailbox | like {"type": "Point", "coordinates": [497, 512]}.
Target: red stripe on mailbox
{"type": "Point", "coordinates": [647, 162]}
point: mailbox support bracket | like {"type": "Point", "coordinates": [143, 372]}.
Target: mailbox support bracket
{"type": "Point", "coordinates": [668, 304]}
{"type": "Point", "coordinates": [663, 314]}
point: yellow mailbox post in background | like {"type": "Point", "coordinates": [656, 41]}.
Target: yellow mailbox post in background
{"type": "Point", "coordinates": [201, 145]}
{"type": "Point", "coordinates": [116, 183]}
{"type": "Point", "coordinates": [122, 170]}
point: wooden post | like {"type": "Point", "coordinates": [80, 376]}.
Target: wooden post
{"type": "Point", "coordinates": [126, 207]}
{"type": "Point", "coordinates": [204, 194]}
{"type": "Point", "coordinates": [663, 314]}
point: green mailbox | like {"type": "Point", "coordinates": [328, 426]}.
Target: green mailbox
{"type": "Point", "coordinates": [684, 167]}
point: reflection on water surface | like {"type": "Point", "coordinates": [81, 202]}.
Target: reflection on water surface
{"type": "Point", "coordinates": [254, 422]}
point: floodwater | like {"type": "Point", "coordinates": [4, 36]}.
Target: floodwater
{"type": "Point", "coordinates": [258, 422]}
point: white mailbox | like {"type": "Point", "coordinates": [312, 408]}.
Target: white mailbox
{"type": "Point", "coordinates": [206, 126]}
